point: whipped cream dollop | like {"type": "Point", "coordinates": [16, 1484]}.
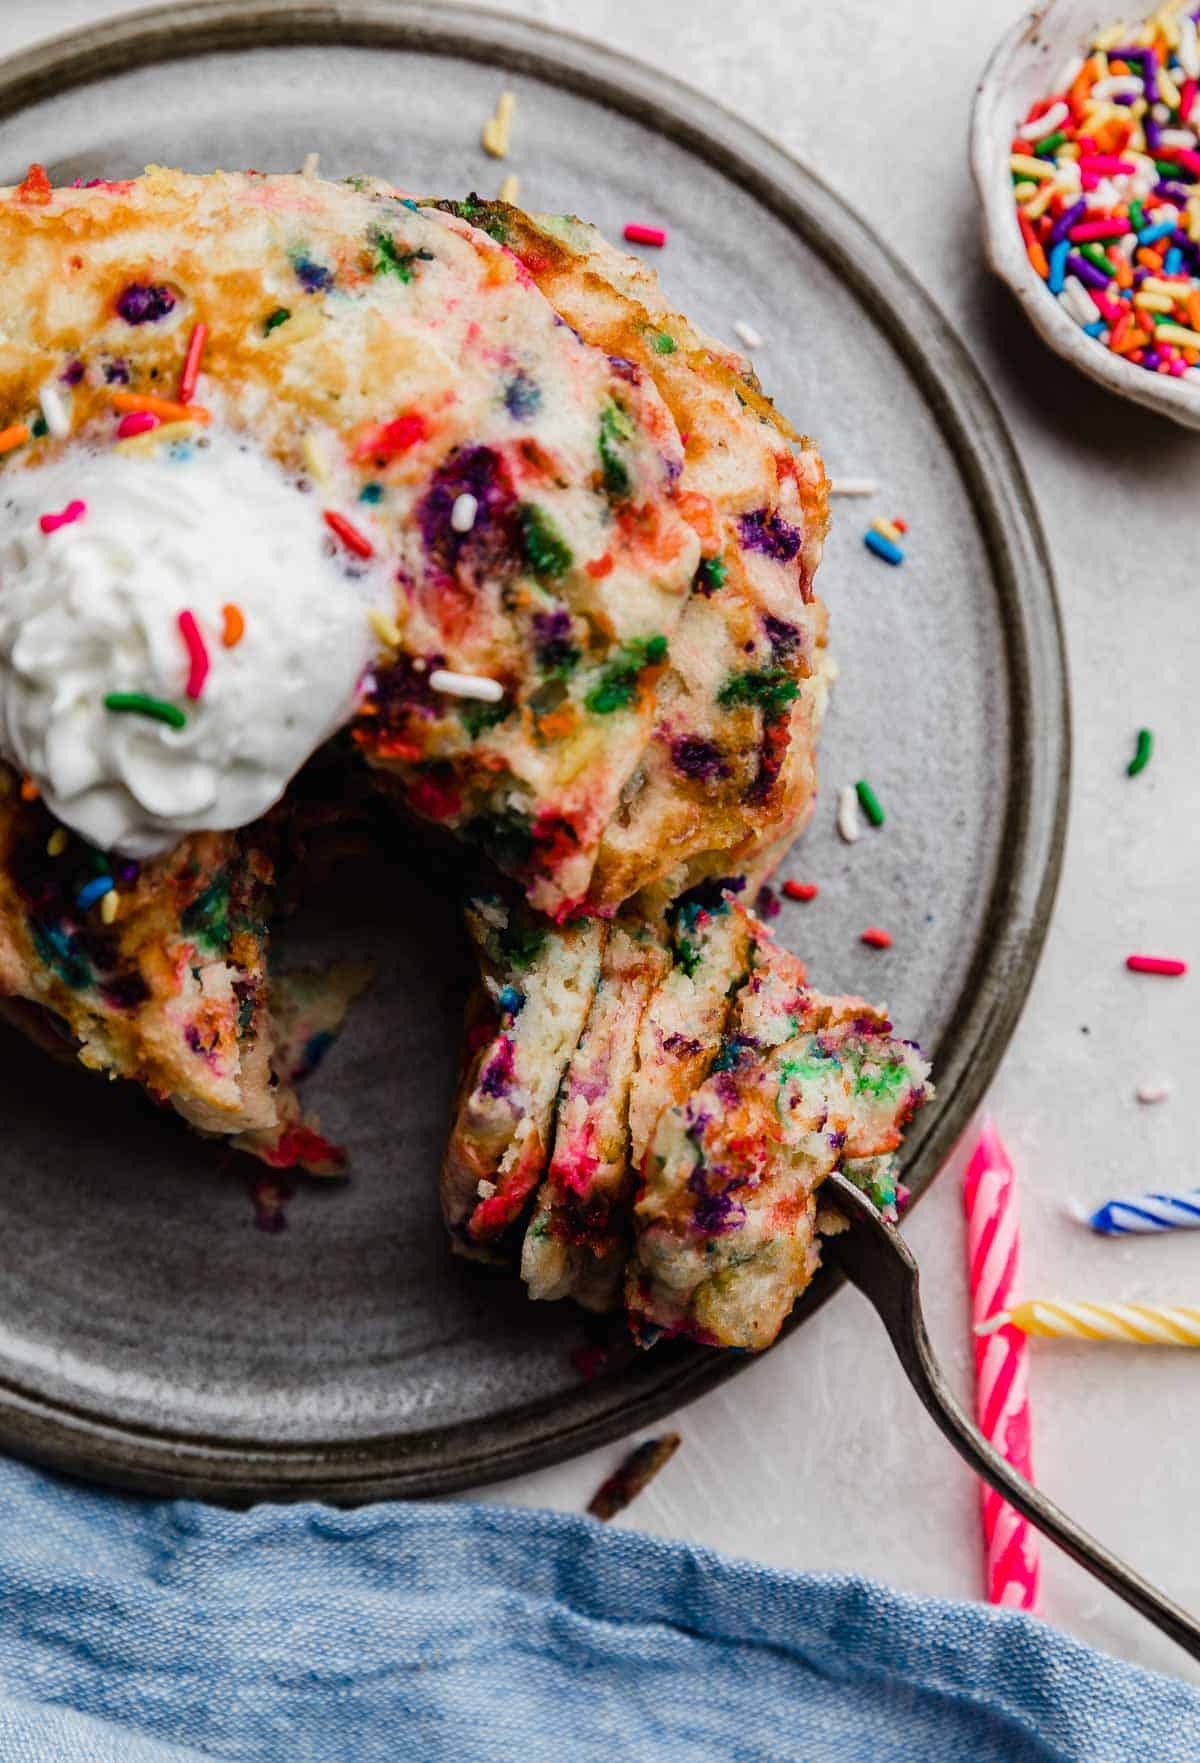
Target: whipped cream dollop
{"type": "Point", "coordinates": [92, 608]}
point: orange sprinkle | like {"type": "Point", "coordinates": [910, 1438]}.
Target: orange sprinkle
{"type": "Point", "coordinates": [599, 567]}
{"type": "Point", "coordinates": [167, 408]}
{"type": "Point", "coordinates": [1149, 259]}
{"type": "Point", "coordinates": [1193, 310]}
{"type": "Point", "coordinates": [14, 436]}
{"type": "Point", "coordinates": [1037, 256]}
{"type": "Point", "coordinates": [36, 189]}
{"type": "Point", "coordinates": [1124, 274]}
{"type": "Point", "coordinates": [235, 626]}
{"type": "Point", "coordinates": [1120, 331]}
{"type": "Point", "coordinates": [29, 790]}
{"type": "Point", "coordinates": [191, 363]}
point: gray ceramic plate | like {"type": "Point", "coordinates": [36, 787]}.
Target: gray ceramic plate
{"type": "Point", "coordinates": [149, 1334]}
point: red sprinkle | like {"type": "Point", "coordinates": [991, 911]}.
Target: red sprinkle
{"type": "Point", "coordinates": [138, 422]}
{"type": "Point", "coordinates": [801, 890]}
{"type": "Point", "coordinates": [645, 235]}
{"type": "Point", "coordinates": [389, 439]}
{"type": "Point", "coordinates": [189, 630]}
{"type": "Point", "coordinates": [349, 534]}
{"type": "Point", "coordinates": [599, 567]}
{"type": "Point", "coordinates": [73, 511]}
{"type": "Point", "coordinates": [876, 938]}
{"type": "Point", "coordinates": [191, 363]}
{"type": "Point", "coordinates": [36, 187]}
{"type": "Point", "coordinates": [901, 526]}
{"type": "Point", "coordinates": [1154, 964]}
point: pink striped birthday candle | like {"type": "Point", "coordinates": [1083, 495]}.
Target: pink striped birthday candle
{"type": "Point", "coordinates": [1013, 1566]}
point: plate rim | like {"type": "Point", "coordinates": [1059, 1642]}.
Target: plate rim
{"type": "Point", "coordinates": [447, 1459]}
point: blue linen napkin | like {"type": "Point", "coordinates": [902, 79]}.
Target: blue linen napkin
{"type": "Point", "coordinates": [140, 1632]}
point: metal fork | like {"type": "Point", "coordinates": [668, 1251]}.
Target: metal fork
{"type": "Point", "coordinates": [874, 1256]}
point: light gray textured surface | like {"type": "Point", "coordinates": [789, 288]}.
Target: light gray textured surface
{"type": "Point", "coordinates": [818, 1457]}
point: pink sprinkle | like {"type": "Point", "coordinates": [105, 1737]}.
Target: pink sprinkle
{"type": "Point", "coordinates": [197, 654]}
{"type": "Point", "coordinates": [1185, 157]}
{"type": "Point", "coordinates": [138, 422]}
{"type": "Point", "coordinates": [876, 938]}
{"type": "Point", "coordinates": [73, 511]}
{"type": "Point", "coordinates": [1154, 964]}
{"type": "Point", "coordinates": [645, 235]}
{"type": "Point", "coordinates": [1112, 228]}
{"type": "Point", "coordinates": [1105, 164]}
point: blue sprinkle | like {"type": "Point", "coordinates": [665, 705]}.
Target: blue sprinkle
{"type": "Point", "coordinates": [1149, 235]}
{"type": "Point", "coordinates": [882, 547]}
{"type": "Point", "coordinates": [1095, 328]}
{"type": "Point", "coordinates": [371, 493]}
{"type": "Point", "coordinates": [1173, 261]}
{"type": "Point", "coordinates": [310, 275]}
{"type": "Point", "coordinates": [405, 203]}
{"type": "Point", "coordinates": [1058, 266]}
{"type": "Point", "coordinates": [511, 1001]}
{"type": "Point", "coordinates": [93, 891]}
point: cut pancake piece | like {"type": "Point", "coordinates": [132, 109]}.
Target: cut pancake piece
{"type": "Point", "coordinates": [539, 983]}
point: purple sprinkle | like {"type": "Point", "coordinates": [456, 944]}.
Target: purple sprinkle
{"type": "Point", "coordinates": [522, 396]}
{"type": "Point", "coordinates": [497, 1077]}
{"type": "Point", "coordinates": [698, 758]}
{"type": "Point", "coordinates": [1087, 272]}
{"type": "Point", "coordinates": [312, 276]}
{"type": "Point", "coordinates": [128, 872]}
{"type": "Point", "coordinates": [1153, 133]}
{"type": "Point", "coordinates": [553, 635]}
{"type": "Point", "coordinates": [1151, 359]}
{"type": "Point", "coordinates": [117, 373]}
{"type": "Point", "coordinates": [769, 533]}
{"type": "Point", "coordinates": [142, 304]}
{"type": "Point", "coordinates": [767, 902]}
{"type": "Point", "coordinates": [784, 638]}
{"type": "Point", "coordinates": [491, 550]}
{"type": "Point", "coordinates": [682, 1044]}
{"type": "Point", "coordinates": [1065, 222]}
{"type": "Point", "coordinates": [72, 373]}
{"type": "Point", "coordinates": [625, 369]}
{"type": "Point", "coordinates": [715, 1214]}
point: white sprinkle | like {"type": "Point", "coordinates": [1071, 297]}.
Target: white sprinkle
{"type": "Point", "coordinates": [510, 189]}
{"type": "Point", "coordinates": [1188, 50]}
{"type": "Point", "coordinates": [462, 515]}
{"type": "Point", "coordinates": [852, 486]}
{"type": "Point", "coordinates": [848, 823]}
{"type": "Point", "coordinates": [1176, 138]}
{"type": "Point", "coordinates": [1117, 85]}
{"type": "Point", "coordinates": [1160, 113]}
{"type": "Point", "coordinates": [311, 165]}
{"type": "Point", "coordinates": [1045, 125]}
{"type": "Point", "coordinates": [1153, 1092]}
{"type": "Point", "coordinates": [498, 128]}
{"type": "Point", "coordinates": [746, 333]}
{"type": "Point", "coordinates": [1069, 74]}
{"type": "Point", "coordinates": [485, 1189]}
{"type": "Point", "coordinates": [466, 685]}
{"type": "Point", "coordinates": [1077, 303]}
{"type": "Point", "coordinates": [55, 411]}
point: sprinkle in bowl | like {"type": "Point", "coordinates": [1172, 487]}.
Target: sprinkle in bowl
{"type": "Point", "coordinates": [1087, 164]}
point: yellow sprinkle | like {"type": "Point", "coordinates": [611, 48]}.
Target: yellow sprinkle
{"type": "Point", "coordinates": [1025, 193]}
{"type": "Point", "coordinates": [314, 458]}
{"type": "Point", "coordinates": [1154, 302]}
{"type": "Point", "coordinates": [385, 628]}
{"type": "Point", "coordinates": [166, 431]}
{"type": "Point", "coordinates": [1040, 202]}
{"type": "Point", "coordinates": [1068, 150]}
{"type": "Point", "coordinates": [1115, 33]}
{"type": "Point", "coordinates": [510, 189]}
{"type": "Point", "coordinates": [56, 844]}
{"type": "Point", "coordinates": [497, 128]}
{"type": "Point", "coordinates": [109, 906]}
{"type": "Point", "coordinates": [888, 531]}
{"type": "Point", "coordinates": [1167, 89]}
{"type": "Point", "coordinates": [1152, 285]}
{"type": "Point", "coordinates": [305, 322]}
{"type": "Point", "coordinates": [1193, 218]}
{"type": "Point", "coordinates": [1030, 167]}
{"type": "Point", "coordinates": [1177, 333]}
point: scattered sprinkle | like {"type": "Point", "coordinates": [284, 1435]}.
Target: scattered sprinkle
{"type": "Point", "coordinates": [55, 412]}
{"type": "Point", "coordinates": [273, 320]}
{"type": "Point", "coordinates": [311, 166]}
{"type": "Point", "coordinates": [36, 188]}
{"type": "Point", "coordinates": [385, 628]}
{"type": "Point", "coordinates": [191, 363]}
{"type": "Point", "coordinates": [875, 938]}
{"type": "Point", "coordinates": [198, 662]}
{"type": "Point", "coordinates": [15, 435]}
{"type": "Point", "coordinates": [29, 789]}
{"type": "Point", "coordinates": [138, 422]}
{"type": "Point", "coordinates": [497, 130]}
{"type": "Point", "coordinates": [166, 409]}
{"type": "Point", "coordinates": [109, 906]}
{"type": "Point", "coordinates": [645, 235]}
{"type": "Point", "coordinates": [141, 303]}
{"type": "Point", "coordinates": [510, 189]}
{"type": "Point", "coordinates": [795, 890]}
{"type": "Point", "coordinates": [349, 534]}
{"type": "Point", "coordinates": [1141, 757]}
{"type": "Point", "coordinates": [140, 704]}
{"type": "Point", "coordinates": [233, 627]}
{"type": "Point", "coordinates": [73, 511]}
{"type": "Point", "coordinates": [162, 433]}
{"type": "Point", "coordinates": [847, 814]}
{"type": "Point", "coordinates": [315, 460]}
{"type": "Point", "coordinates": [888, 529]}
{"type": "Point", "coordinates": [882, 547]}
{"type": "Point", "coordinates": [1153, 1092]}
{"type": "Point", "coordinates": [746, 333]}
{"type": "Point", "coordinates": [1155, 964]}
{"type": "Point", "coordinates": [853, 486]}
{"type": "Point", "coordinates": [635, 1473]}
{"type": "Point", "coordinates": [56, 844]}
{"type": "Point", "coordinates": [871, 805]}
{"type": "Point", "coordinates": [92, 891]}
{"type": "Point", "coordinates": [466, 685]}
{"type": "Point", "coordinates": [462, 515]}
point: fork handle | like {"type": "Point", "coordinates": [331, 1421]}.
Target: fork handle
{"type": "Point", "coordinates": [875, 1258]}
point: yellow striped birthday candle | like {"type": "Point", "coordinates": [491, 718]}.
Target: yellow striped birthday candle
{"type": "Point", "coordinates": [1147, 1325]}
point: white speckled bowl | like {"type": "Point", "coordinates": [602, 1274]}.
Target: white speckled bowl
{"type": "Point", "coordinates": [1023, 67]}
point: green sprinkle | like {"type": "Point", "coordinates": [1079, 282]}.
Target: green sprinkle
{"type": "Point", "coordinates": [1095, 255]}
{"type": "Point", "coordinates": [617, 686]}
{"type": "Point", "coordinates": [711, 574]}
{"type": "Point", "coordinates": [615, 427]}
{"type": "Point", "coordinates": [870, 802]}
{"type": "Point", "coordinates": [1165, 168]}
{"type": "Point", "coordinates": [770, 688]}
{"type": "Point", "coordinates": [1141, 757]}
{"type": "Point", "coordinates": [664, 344]}
{"type": "Point", "coordinates": [371, 493]}
{"type": "Point", "coordinates": [1048, 148]}
{"type": "Point", "coordinates": [1137, 216]}
{"type": "Point", "coordinates": [546, 551]}
{"type": "Point", "coordinates": [390, 260]}
{"type": "Point", "coordinates": [476, 716]}
{"type": "Point", "coordinates": [39, 428]}
{"type": "Point", "coordinates": [141, 705]}
{"type": "Point", "coordinates": [280, 316]}
{"type": "Point", "coordinates": [206, 920]}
